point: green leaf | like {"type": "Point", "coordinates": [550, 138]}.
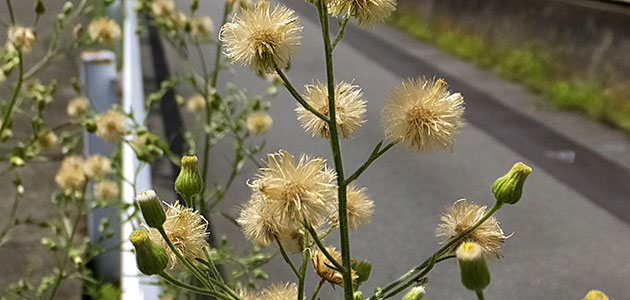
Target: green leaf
{"type": "Point", "coordinates": [362, 270]}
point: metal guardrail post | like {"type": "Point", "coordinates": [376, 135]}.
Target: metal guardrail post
{"type": "Point", "coordinates": [99, 80]}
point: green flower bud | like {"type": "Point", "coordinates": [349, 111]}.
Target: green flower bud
{"type": "Point", "coordinates": [595, 295]}
{"type": "Point", "coordinates": [151, 208]}
{"type": "Point", "coordinates": [416, 293]}
{"type": "Point", "coordinates": [150, 258]}
{"type": "Point", "coordinates": [90, 126]}
{"type": "Point", "coordinates": [189, 182]}
{"type": "Point", "coordinates": [357, 295]}
{"type": "Point", "coordinates": [508, 189]}
{"type": "Point", "coordinates": [472, 266]}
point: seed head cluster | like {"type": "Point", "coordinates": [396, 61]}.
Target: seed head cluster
{"type": "Point", "coordinates": [71, 177]}
{"type": "Point", "coordinates": [111, 126]}
{"type": "Point", "coordinates": [463, 215]}
{"type": "Point", "coordinates": [104, 30]}
{"type": "Point", "coordinates": [285, 194]}
{"type": "Point", "coordinates": [349, 109]}
{"type": "Point", "coordinates": [186, 229]}
{"type": "Point", "coordinates": [22, 38]}
{"type": "Point", "coordinates": [366, 12]}
{"type": "Point", "coordinates": [262, 38]}
{"type": "Point", "coordinates": [423, 115]}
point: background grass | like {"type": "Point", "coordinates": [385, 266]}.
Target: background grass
{"type": "Point", "coordinates": [534, 66]}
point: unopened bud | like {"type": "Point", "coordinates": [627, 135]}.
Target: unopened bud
{"type": "Point", "coordinates": [150, 258]}
{"type": "Point", "coordinates": [90, 126]}
{"type": "Point", "coordinates": [416, 293]}
{"type": "Point", "coordinates": [188, 182]}
{"type": "Point", "coordinates": [151, 208]}
{"type": "Point", "coordinates": [595, 295]}
{"type": "Point", "coordinates": [472, 266]}
{"type": "Point", "coordinates": [358, 295]}
{"type": "Point", "coordinates": [508, 189]}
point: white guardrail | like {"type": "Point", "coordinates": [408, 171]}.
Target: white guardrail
{"type": "Point", "coordinates": [133, 285]}
{"type": "Point", "coordinates": [101, 85]}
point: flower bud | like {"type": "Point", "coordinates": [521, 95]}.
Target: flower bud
{"type": "Point", "coordinates": [416, 293]}
{"type": "Point", "coordinates": [151, 208]}
{"type": "Point", "coordinates": [472, 266]}
{"type": "Point", "coordinates": [189, 182]}
{"type": "Point", "coordinates": [90, 126]}
{"type": "Point", "coordinates": [595, 295]}
{"type": "Point", "coordinates": [150, 258]}
{"type": "Point", "coordinates": [508, 189]}
{"type": "Point", "coordinates": [357, 295]}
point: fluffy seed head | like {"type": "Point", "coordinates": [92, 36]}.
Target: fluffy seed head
{"type": "Point", "coordinates": [366, 12]}
{"type": "Point", "coordinates": [201, 26]}
{"type": "Point", "coordinates": [162, 7]}
{"type": "Point", "coordinates": [360, 208]}
{"type": "Point", "coordinates": [463, 215]}
{"type": "Point", "coordinates": [259, 123]}
{"type": "Point", "coordinates": [186, 229]}
{"type": "Point", "coordinates": [349, 109]}
{"type": "Point", "coordinates": [105, 189]}
{"type": "Point", "coordinates": [294, 193]}
{"type": "Point", "coordinates": [48, 140]}
{"type": "Point", "coordinates": [97, 166]}
{"type": "Point", "coordinates": [111, 126]}
{"type": "Point", "coordinates": [262, 38]}
{"type": "Point", "coordinates": [195, 103]}
{"type": "Point", "coordinates": [423, 115]}
{"type": "Point", "coordinates": [70, 176]}
{"type": "Point", "coordinates": [21, 38]}
{"type": "Point", "coordinates": [104, 30]}
{"type": "Point", "coordinates": [280, 292]}
{"type": "Point", "coordinates": [76, 107]}
{"type": "Point", "coordinates": [258, 223]}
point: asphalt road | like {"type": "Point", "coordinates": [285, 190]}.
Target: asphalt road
{"type": "Point", "coordinates": [571, 229]}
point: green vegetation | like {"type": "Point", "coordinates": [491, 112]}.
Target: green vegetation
{"type": "Point", "coordinates": [536, 67]}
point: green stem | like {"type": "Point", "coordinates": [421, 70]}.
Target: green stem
{"type": "Point", "coordinates": [298, 97]}
{"type": "Point", "coordinates": [321, 247]}
{"type": "Point", "coordinates": [215, 77]}
{"type": "Point", "coordinates": [302, 275]}
{"type": "Point", "coordinates": [342, 30]}
{"type": "Point", "coordinates": [446, 248]}
{"type": "Point", "coordinates": [286, 257]}
{"type": "Point", "coordinates": [62, 264]}
{"type": "Point", "coordinates": [319, 286]}
{"type": "Point", "coordinates": [191, 288]}
{"type": "Point", "coordinates": [336, 151]}
{"type": "Point", "coordinates": [10, 8]}
{"type": "Point", "coordinates": [184, 262]}
{"type": "Point", "coordinates": [376, 153]}
{"type": "Point", "coordinates": [480, 295]}
{"type": "Point", "coordinates": [6, 119]}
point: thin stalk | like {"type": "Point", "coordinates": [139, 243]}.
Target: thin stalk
{"type": "Point", "coordinates": [185, 262]}
{"type": "Point", "coordinates": [342, 30]}
{"type": "Point", "coordinates": [321, 247]}
{"type": "Point", "coordinates": [286, 257]}
{"type": "Point", "coordinates": [206, 147]}
{"type": "Point", "coordinates": [376, 153]}
{"type": "Point", "coordinates": [458, 238]}
{"type": "Point", "coordinates": [480, 295]}
{"type": "Point", "coordinates": [10, 8]}
{"type": "Point", "coordinates": [302, 275]}
{"type": "Point", "coordinates": [62, 264]}
{"type": "Point", "coordinates": [336, 151]}
{"type": "Point", "coordinates": [298, 97]}
{"type": "Point", "coordinates": [319, 287]}
{"type": "Point", "coordinates": [6, 119]}
{"type": "Point", "coordinates": [191, 288]}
